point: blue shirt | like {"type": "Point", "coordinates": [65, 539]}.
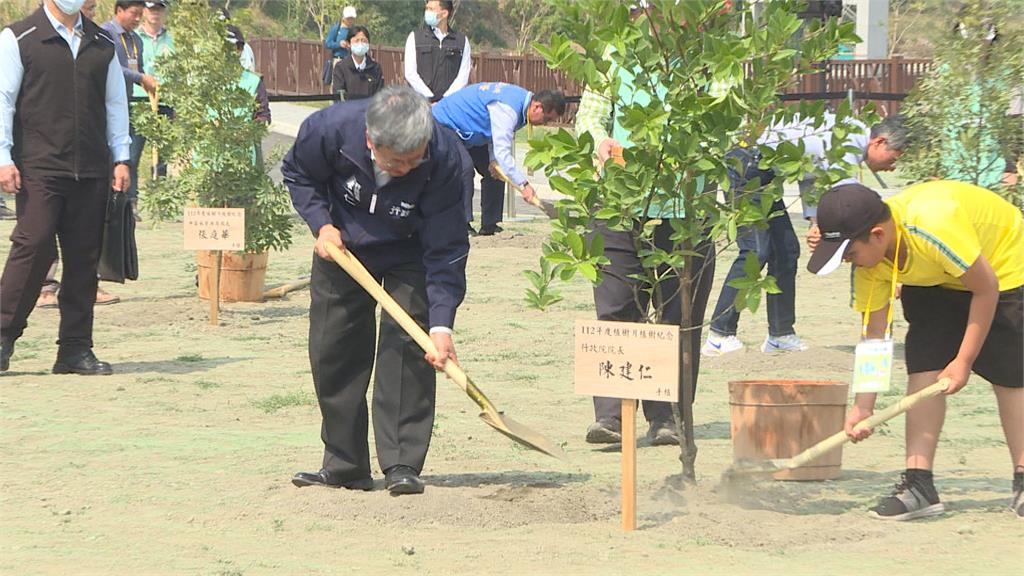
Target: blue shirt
{"type": "Point", "coordinates": [12, 73]}
{"type": "Point", "coordinates": [335, 37]}
{"type": "Point", "coordinates": [128, 47]}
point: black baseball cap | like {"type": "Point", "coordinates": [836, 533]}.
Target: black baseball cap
{"type": "Point", "coordinates": [844, 213]}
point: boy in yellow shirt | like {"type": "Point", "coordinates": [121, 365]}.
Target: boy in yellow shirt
{"type": "Point", "coordinates": [960, 250]}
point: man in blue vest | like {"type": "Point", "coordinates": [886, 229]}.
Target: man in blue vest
{"type": "Point", "coordinates": [380, 178]}
{"type": "Point", "coordinates": [486, 117]}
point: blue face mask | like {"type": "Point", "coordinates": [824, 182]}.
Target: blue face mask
{"type": "Point", "coordinates": [69, 7]}
{"type": "Point", "coordinates": [360, 48]}
{"type": "Point", "coordinates": [431, 18]}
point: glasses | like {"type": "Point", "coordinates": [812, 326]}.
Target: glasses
{"type": "Point", "coordinates": [387, 162]}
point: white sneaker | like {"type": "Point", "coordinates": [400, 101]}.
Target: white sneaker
{"type": "Point", "coordinates": [717, 345]}
{"type": "Point", "coordinates": [787, 343]}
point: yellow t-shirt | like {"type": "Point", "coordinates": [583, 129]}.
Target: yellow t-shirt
{"type": "Point", "coordinates": [946, 225]}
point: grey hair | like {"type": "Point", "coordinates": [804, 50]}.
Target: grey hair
{"type": "Point", "coordinates": [895, 131]}
{"type": "Point", "coordinates": [399, 120]}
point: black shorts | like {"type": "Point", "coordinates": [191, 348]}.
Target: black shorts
{"type": "Point", "coordinates": [938, 319]}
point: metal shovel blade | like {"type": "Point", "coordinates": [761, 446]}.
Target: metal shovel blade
{"type": "Point", "coordinates": [522, 434]}
{"type": "Point", "coordinates": [546, 207]}
{"type": "Point", "coordinates": [751, 467]}
{"type": "Point", "coordinates": [517, 431]}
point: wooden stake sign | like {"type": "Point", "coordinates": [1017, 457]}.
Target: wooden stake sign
{"type": "Point", "coordinates": [633, 362]}
{"type": "Point", "coordinates": [216, 229]}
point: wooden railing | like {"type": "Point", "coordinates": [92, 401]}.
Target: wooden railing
{"type": "Point", "coordinates": [293, 67]}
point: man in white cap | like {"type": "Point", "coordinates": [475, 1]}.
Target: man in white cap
{"type": "Point", "coordinates": [337, 37]}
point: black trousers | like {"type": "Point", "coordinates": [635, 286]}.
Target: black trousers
{"type": "Point", "coordinates": [51, 208]}
{"type": "Point", "coordinates": [492, 190]}
{"type": "Point", "coordinates": [618, 298]}
{"type": "Point", "coordinates": [341, 356]}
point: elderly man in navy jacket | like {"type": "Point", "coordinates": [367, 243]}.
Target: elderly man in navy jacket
{"type": "Point", "coordinates": [381, 179]}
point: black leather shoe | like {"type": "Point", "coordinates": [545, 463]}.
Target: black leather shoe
{"type": "Point", "coordinates": [6, 351]}
{"type": "Point", "coordinates": [662, 433]}
{"type": "Point", "coordinates": [490, 230]}
{"type": "Point", "coordinates": [323, 478]}
{"type": "Point", "coordinates": [604, 432]}
{"type": "Point", "coordinates": [402, 479]}
{"type": "Point", "coordinates": [84, 363]}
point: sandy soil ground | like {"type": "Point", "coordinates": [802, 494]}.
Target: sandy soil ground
{"type": "Point", "coordinates": [180, 462]}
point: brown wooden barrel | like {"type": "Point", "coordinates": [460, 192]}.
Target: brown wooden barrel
{"type": "Point", "coordinates": [241, 275]}
{"type": "Point", "coordinates": [781, 418]}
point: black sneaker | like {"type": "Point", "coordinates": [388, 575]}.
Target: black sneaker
{"type": "Point", "coordinates": [912, 498]}
{"type": "Point", "coordinates": [1017, 504]}
{"type": "Point", "coordinates": [604, 432]}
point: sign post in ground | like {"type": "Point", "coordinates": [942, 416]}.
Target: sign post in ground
{"type": "Point", "coordinates": [631, 361]}
{"type": "Point", "coordinates": [215, 229]}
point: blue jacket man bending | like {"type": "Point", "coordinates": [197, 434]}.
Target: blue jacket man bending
{"type": "Point", "coordinates": [379, 178]}
{"type": "Point", "coordinates": [486, 117]}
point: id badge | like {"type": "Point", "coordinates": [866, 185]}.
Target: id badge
{"type": "Point", "coordinates": [872, 366]}
{"type": "Point", "coordinates": [133, 64]}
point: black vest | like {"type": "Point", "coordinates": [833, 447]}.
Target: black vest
{"type": "Point", "coordinates": [60, 117]}
{"type": "Point", "coordinates": [438, 63]}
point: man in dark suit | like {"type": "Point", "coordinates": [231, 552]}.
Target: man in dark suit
{"type": "Point", "coordinates": [381, 179]}
{"type": "Point", "coordinates": [59, 70]}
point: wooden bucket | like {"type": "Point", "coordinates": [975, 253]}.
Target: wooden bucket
{"type": "Point", "coordinates": [781, 418]}
{"type": "Point", "coordinates": [241, 275]}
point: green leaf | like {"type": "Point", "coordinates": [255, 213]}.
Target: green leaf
{"type": "Point", "coordinates": [575, 242]}
{"type": "Point", "coordinates": [753, 300]}
{"type": "Point", "coordinates": [588, 271]}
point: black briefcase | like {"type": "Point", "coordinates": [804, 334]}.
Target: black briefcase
{"type": "Point", "coordinates": [119, 258]}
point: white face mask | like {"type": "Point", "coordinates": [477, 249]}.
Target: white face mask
{"type": "Point", "coordinates": [431, 18]}
{"type": "Point", "coordinates": [69, 7]}
{"type": "Point", "coordinates": [360, 48]}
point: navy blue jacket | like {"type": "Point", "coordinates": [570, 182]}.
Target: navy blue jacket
{"type": "Point", "coordinates": [418, 216]}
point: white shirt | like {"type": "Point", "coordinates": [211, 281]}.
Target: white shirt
{"type": "Point", "coordinates": [247, 58]}
{"type": "Point", "coordinates": [816, 142]}
{"type": "Point", "coordinates": [412, 75]}
{"type": "Point", "coordinates": [12, 73]}
{"type": "Point", "coordinates": [504, 120]}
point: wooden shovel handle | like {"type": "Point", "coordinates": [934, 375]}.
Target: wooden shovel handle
{"type": "Point", "coordinates": [360, 274]}
{"type": "Point", "coordinates": [890, 412]}
{"type": "Point", "coordinates": [547, 208]}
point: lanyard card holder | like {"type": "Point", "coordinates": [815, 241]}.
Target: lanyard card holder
{"type": "Point", "coordinates": [872, 366]}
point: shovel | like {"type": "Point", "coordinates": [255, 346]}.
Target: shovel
{"type": "Point", "coordinates": [284, 289]}
{"type": "Point", "coordinates": [548, 208]}
{"type": "Point", "coordinates": [753, 468]}
{"type": "Point", "coordinates": [495, 419]}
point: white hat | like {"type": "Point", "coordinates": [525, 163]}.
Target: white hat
{"type": "Point", "coordinates": [348, 12]}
